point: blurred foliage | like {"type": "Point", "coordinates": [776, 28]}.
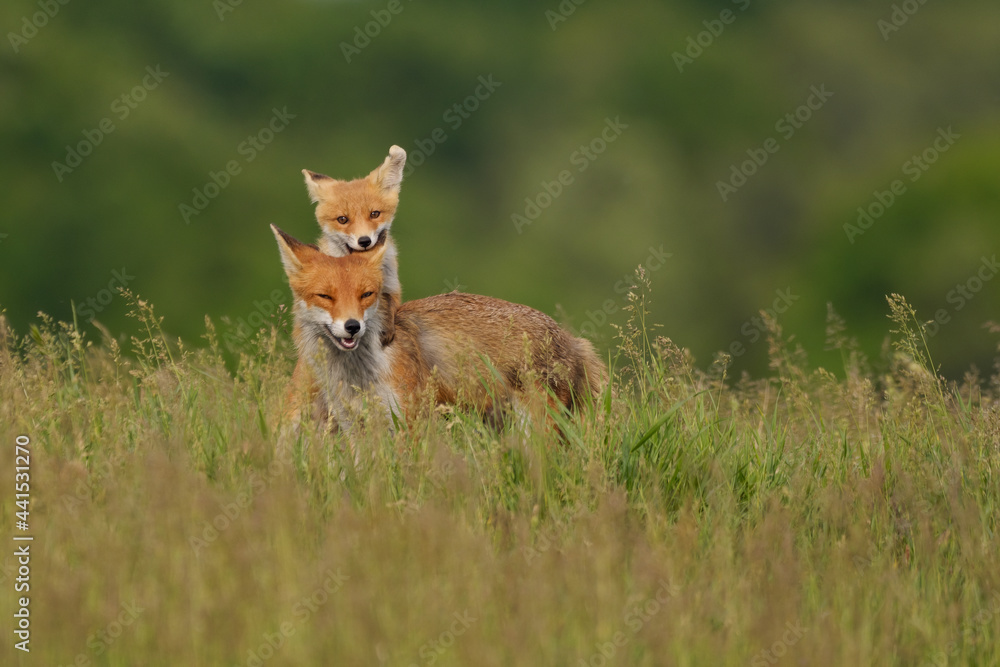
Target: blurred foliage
{"type": "Point", "coordinates": [230, 65]}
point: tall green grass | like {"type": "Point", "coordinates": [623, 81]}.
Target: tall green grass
{"type": "Point", "coordinates": [685, 517]}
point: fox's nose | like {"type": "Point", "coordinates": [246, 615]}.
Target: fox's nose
{"type": "Point", "coordinates": [364, 242]}
{"type": "Point", "coordinates": [352, 326]}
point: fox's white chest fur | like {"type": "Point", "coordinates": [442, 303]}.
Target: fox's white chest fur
{"type": "Point", "coordinates": [345, 378]}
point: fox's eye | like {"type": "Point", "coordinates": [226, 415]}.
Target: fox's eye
{"type": "Point", "coordinates": [325, 296]}
{"type": "Point", "coordinates": [366, 295]}
{"type": "Point", "coordinates": [376, 214]}
{"type": "Point", "coordinates": [342, 220]}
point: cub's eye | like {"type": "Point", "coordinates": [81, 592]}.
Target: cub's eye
{"type": "Point", "coordinates": [376, 214]}
{"type": "Point", "coordinates": [366, 295]}
{"type": "Point", "coordinates": [325, 296]}
{"type": "Point", "coordinates": [343, 220]}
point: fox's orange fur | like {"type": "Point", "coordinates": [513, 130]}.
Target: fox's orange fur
{"type": "Point", "coordinates": [461, 348]}
{"type": "Point", "coordinates": [354, 215]}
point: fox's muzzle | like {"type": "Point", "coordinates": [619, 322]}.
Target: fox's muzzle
{"type": "Point", "coordinates": [346, 343]}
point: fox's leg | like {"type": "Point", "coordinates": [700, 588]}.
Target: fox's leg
{"type": "Point", "coordinates": [534, 409]}
{"type": "Point", "coordinates": [392, 293]}
{"type": "Point", "coordinates": [387, 307]}
{"type": "Point", "coordinates": [302, 392]}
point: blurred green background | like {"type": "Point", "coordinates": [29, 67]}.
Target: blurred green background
{"type": "Point", "coordinates": [698, 85]}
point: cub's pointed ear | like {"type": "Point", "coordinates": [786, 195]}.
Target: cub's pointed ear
{"type": "Point", "coordinates": [292, 251]}
{"type": "Point", "coordinates": [315, 183]}
{"type": "Point", "coordinates": [389, 176]}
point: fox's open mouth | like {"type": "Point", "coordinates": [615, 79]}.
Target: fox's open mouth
{"type": "Point", "coordinates": [343, 343]}
{"type": "Point", "coordinates": [346, 343]}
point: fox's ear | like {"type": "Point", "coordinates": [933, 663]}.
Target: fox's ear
{"type": "Point", "coordinates": [389, 176]}
{"type": "Point", "coordinates": [314, 184]}
{"type": "Point", "coordinates": [292, 251]}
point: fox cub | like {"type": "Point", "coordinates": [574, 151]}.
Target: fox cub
{"type": "Point", "coordinates": [355, 215]}
{"type": "Point", "coordinates": [470, 350]}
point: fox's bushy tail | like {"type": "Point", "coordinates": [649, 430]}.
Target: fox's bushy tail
{"type": "Point", "coordinates": [590, 376]}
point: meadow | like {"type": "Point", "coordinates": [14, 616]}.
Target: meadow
{"type": "Point", "coordinates": [810, 517]}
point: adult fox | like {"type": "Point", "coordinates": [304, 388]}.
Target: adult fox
{"type": "Point", "coordinates": [466, 349]}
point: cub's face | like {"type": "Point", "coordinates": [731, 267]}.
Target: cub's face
{"type": "Point", "coordinates": [355, 215]}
